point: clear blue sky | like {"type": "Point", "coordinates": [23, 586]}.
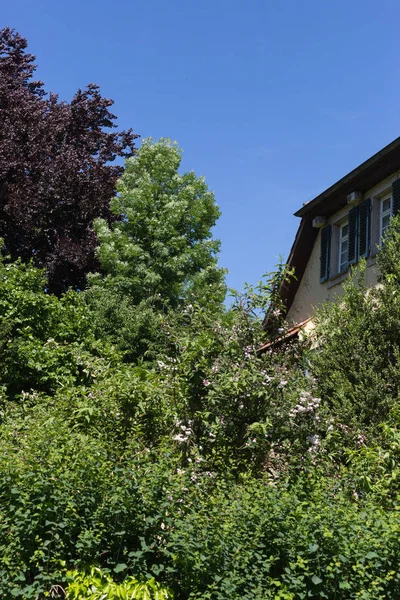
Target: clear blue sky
{"type": "Point", "coordinates": [271, 100]}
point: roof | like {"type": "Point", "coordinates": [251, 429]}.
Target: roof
{"type": "Point", "coordinates": [362, 178]}
{"type": "Point", "coordinates": [288, 335]}
{"type": "Point", "coordinates": [368, 174]}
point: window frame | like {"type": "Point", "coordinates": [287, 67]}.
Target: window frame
{"type": "Point", "coordinates": [342, 267]}
{"type": "Point", "coordinates": [383, 214]}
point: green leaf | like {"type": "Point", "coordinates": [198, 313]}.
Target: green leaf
{"type": "Point", "coordinates": [344, 585]}
{"type": "Point", "coordinates": [120, 567]}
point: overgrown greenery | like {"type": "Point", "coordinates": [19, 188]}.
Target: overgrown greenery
{"type": "Point", "coordinates": [178, 461]}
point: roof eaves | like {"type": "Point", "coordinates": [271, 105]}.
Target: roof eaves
{"type": "Point", "coordinates": [336, 187]}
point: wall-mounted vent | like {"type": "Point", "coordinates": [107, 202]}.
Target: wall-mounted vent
{"type": "Point", "coordinates": [319, 222]}
{"type": "Point", "coordinates": [354, 197]}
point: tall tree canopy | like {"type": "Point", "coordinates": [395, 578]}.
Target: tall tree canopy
{"type": "Point", "coordinates": [160, 253]}
{"type": "Point", "coordinates": [56, 174]}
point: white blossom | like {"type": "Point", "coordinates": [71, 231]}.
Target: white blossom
{"type": "Point", "coordinates": [315, 443]}
{"type": "Point", "coordinates": [307, 405]}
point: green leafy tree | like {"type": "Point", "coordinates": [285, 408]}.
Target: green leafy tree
{"type": "Point", "coordinates": [357, 364]}
{"type": "Point", "coordinates": [41, 336]}
{"type": "Point", "coordinates": [161, 253]}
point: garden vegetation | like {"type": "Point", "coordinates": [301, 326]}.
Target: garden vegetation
{"type": "Point", "coordinates": [150, 451]}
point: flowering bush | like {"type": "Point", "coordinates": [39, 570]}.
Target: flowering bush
{"type": "Point", "coordinates": [207, 468]}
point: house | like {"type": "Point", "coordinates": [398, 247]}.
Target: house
{"type": "Point", "coordinates": [343, 224]}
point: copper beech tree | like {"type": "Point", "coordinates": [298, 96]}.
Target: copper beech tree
{"type": "Point", "coordinates": [56, 168]}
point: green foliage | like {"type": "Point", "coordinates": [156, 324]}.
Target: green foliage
{"type": "Point", "coordinates": [357, 363]}
{"type": "Point", "coordinates": [99, 586]}
{"type": "Point", "coordinates": [45, 342]}
{"type": "Point", "coordinates": [159, 254]}
{"type": "Point", "coordinates": [261, 541]}
{"type": "Point", "coordinates": [204, 469]}
{"type": "Point", "coordinates": [164, 239]}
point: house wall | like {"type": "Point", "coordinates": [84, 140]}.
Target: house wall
{"type": "Point", "coordinates": [311, 293]}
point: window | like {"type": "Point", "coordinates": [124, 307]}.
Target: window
{"type": "Point", "coordinates": [359, 231]}
{"type": "Point", "coordinates": [344, 247]}
{"type": "Point", "coordinates": [385, 215]}
{"type": "Point", "coordinates": [354, 238]}
{"type": "Point", "coordinates": [354, 241]}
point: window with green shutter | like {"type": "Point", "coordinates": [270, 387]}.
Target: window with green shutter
{"type": "Point", "coordinates": [344, 247]}
{"type": "Point", "coordinates": [389, 206]}
{"type": "Point", "coordinates": [364, 228]}
{"type": "Point", "coordinates": [353, 238]}
{"type": "Point", "coordinates": [396, 197]}
{"type": "Point", "coordinates": [325, 253]}
{"type": "Point", "coordinates": [353, 235]}
{"type": "Point", "coordinates": [359, 231]}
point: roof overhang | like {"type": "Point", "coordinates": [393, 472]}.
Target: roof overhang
{"type": "Point", "coordinates": [362, 178]}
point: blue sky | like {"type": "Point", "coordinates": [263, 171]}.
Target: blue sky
{"type": "Point", "coordinates": [272, 101]}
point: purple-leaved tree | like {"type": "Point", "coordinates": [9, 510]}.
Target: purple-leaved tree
{"type": "Point", "coordinates": [56, 171]}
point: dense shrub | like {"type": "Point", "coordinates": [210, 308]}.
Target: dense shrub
{"type": "Point", "coordinates": [205, 469]}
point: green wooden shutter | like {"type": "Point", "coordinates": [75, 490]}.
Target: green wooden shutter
{"type": "Point", "coordinates": [353, 235]}
{"type": "Point", "coordinates": [325, 253]}
{"type": "Point", "coordinates": [364, 226]}
{"type": "Point", "coordinates": [396, 196]}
